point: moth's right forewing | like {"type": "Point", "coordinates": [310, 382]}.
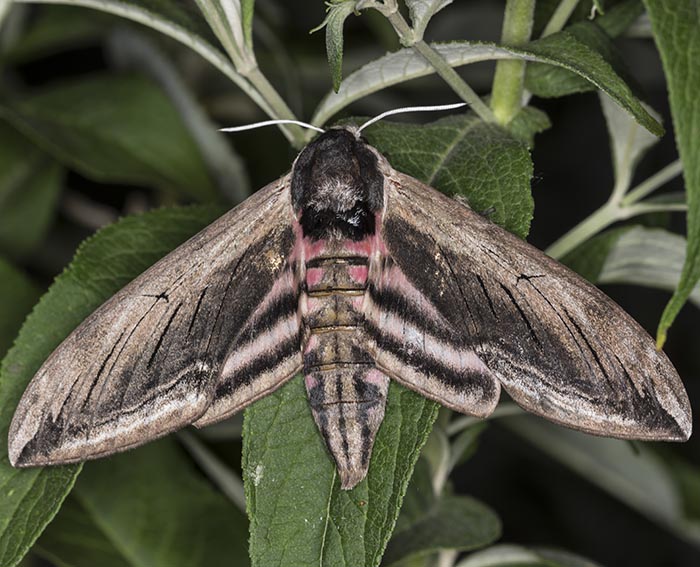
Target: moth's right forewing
{"type": "Point", "coordinates": [146, 362]}
{"type": "Point", "coordinates": [560, 347]}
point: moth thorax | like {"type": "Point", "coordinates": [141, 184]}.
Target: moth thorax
{"type": "Point", "coordinates": [337, 187]}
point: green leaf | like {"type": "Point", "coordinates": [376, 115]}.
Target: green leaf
{"type": "Point", "coordinates": [338, 11]}
{"type": "Point", "coordinates": [30, 183]}
{"type": "Point", "coordinates": [465, 444]}
{"type": "Point", "coordinates": [517, 556]}
{"type": "Point", "coordinates": [461, 155]}
{"type": "Point", "coordinates": [179, 21]}
{"type": "Point", "coordinates": [529, 122]}
{"type": "Point", "coordinates": [102, 265]}
{"type": "Point", "coordinates": [115, 128]}
{"type": "Point", "coordinates": [286, 466]}
{"type": "Point", "coordinates": [549, 81]}
{"type": "Point", "coordinates": [566, 50]}
{"type": "Point", "coordinates": [589, 258]}
{"type": "Point", "coordinates": [651, 257]}
{"type": "Point", "coordinates": [248, 9]}
{"type": "Point", "coordinates": [53, 30]}
{"type": "Point", "coordinates": [562, 50]}
{"type": "Point", "coordinates": [455, 522]}
{"type": "Point", "coordinates": [419, 498]}
{"type": "Point", "coordinates": [17, 296]}
{"type": "Point", "coordinates": [421, 11]}
{"type": "Point", "coordinates": [4, 8]}
{"type": "Point", "coordinates": [298, 514]}
{"type": "Point", "coordinates": [146, 508]}
{"type": "Point", "coordinates": [632, 474]}
{"type": "Point", "coordinates": [676, 27]}
{"type": "Point", "coordinates": [628, 142]}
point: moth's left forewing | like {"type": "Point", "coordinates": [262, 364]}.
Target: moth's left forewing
{"type": "Point", "coordinates": [559, 346]}
{"type": "Point", "coordinates": [147, 361]}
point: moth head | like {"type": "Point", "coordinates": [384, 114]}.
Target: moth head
{"type": "Point", "coordinates": [337, 187]}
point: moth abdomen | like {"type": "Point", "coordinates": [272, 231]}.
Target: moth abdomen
{"type": "Point", "coordinates": [347, 402]}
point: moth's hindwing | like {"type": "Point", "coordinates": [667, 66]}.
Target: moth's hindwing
{"type": "Point", "coordinates": [559, 346]}
{"type": "Point", "coordinates": [146, 362]}
{"type": "Point", "coordinates": [419, 347]}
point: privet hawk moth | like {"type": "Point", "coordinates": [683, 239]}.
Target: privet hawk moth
{"type": "Point", "coordinates": [353, 274]}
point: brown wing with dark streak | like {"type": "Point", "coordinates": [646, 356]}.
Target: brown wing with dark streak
{"type": "Point", "coordinates": [559, 346]}
{"type": "Point", "coordinates": [147, 361]}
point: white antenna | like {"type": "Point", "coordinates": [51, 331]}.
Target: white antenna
{"type": "Point", "coordinates": [402, 110]}
{"type": "Point", "coordinates": [406, 109]}
{"type": "Point", "coordinates": [270, 123]}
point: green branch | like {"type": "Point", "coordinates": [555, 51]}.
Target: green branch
{"type": "Point", "coordinates": [618, 209]}
{"type": "Point", "coordinates": [409, 38]}
{"type": "Point", "coordinates": [507, 93]}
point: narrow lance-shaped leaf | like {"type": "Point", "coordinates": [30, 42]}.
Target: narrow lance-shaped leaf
{"type": "Point", "coordinates": [455, 522]}
{"type": "Point", "coordinates": [338, 11]}
{"type": "Point", "coordinates": [177, 20]}
{"type": "Point", "coordinates": [552, 81]}
{"type": "Point", "coordinates": [117, 129]}
{"type": "Point", "coordinates": [651, 257]}
{"type": "Point", "coordinates": [628, 141]}
{"type": "Point", "coordinates": [565, 52]}
{"type": "Point", "coordinates": [636, 477]}
{"type": "Point", "coordinates": [421, 11]}
{"type": "Point", "coordinates": [102, 265]}
{"type": "Point", "coordinates": [676, 27]}
{"type": "Point", "coordinates": [506, 555]}
{"type": "Point", "coordinates": [30, 183]}
{"type": "Point", "coordinates": [124, 509]}
{"type": "Point", "coordinates": [248, 10]}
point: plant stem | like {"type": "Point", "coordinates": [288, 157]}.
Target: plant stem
{"type": "Point", "coordinates": [504, 409]}
{"type": "Point", "coordinates": [442, 67]}
{"type": "Point", "coordinates": [294, 133]}
{"type": "Point", "coordinates": [617, 209]}
{"type": "Point", "coordinates": [507, 93]}
{"type": "Point", "coordinates": [452, 78]}
{"type": "Point", "coordinates": [654, 182]}
{"type": "Point", "coordinates": [559, 17]}
{"type": "Point", "coordinates": [4, 8]}
{"type": "Point", "coordinates": [227, 480]}
{"type": "Point", "coordinates": [600, 219]}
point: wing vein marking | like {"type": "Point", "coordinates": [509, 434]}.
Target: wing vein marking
{"type": "Point", "coordinates": [564, 322]}
{"type": "Point", "coordinates": [629, 378]}
{"type": "Point", "coordinates": [486, 293]}
{"type": "Point", "coordinates": [522, 313]}
{"type": "Point", "coordinates": [590, 347]}
{"type": "Point", "coordinates": [223, 299]}
{"type": "Point", "coordinates": [162, 336]}
{"type": "Point", "coordinates": [98, 401]}
{"type": "Point", "coordinates": [99, 372]}
{"type": "Point", "coordinates": [456, 280]}
{"type": "Point", "coordinates": [196, 309]}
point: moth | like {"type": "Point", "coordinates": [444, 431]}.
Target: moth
{"type": "Point", "coordinates": [352, 274]}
